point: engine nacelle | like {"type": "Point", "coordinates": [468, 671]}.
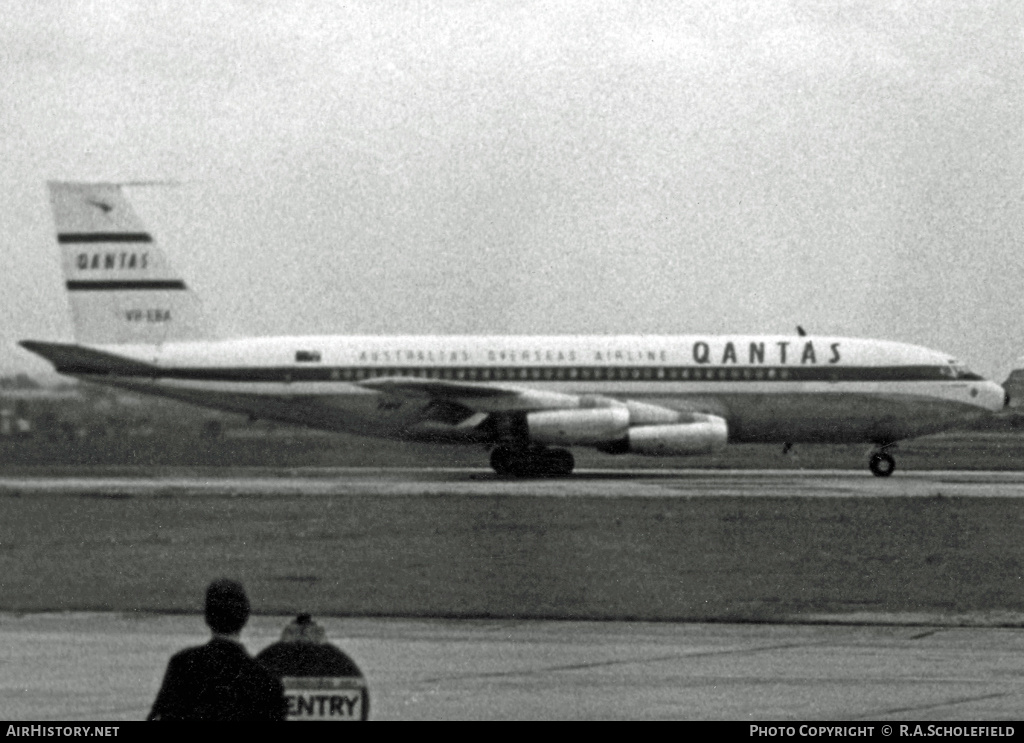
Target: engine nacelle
{"type": "Point", "coordinates": [573, 427]}
{"type": "Point", "coordinates": [702, 436]}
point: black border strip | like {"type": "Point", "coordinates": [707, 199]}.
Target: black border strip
{"type": "Point", "coordinates": [104, 237]}
{"type": "Point", "coordinates": [117, 286]}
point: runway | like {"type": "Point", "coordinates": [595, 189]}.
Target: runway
{"type": "Point", "coordinates": [70, 667]}
{"type": "Point", "coordinates": [874, 591]}
{"type": "Point", "coordinates": [592, 483]}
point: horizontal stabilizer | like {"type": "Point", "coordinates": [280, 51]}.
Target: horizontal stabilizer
{"type": "Point", "coordinates": [68, 358]}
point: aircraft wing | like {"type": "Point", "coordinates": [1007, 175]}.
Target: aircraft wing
{"type": "Point", "coordinates": [485, 397]}
{"type": "Point", "coordinates": [413, 387]}
{"type": "Point", "coordinates": [492, 397]}
{"type": "Point", "coordinates": [557, 418]}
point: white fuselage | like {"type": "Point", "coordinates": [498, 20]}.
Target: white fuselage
{"type": "Point", "coordinates": [768, 388]}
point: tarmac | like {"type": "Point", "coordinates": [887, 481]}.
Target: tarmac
{"type": "Point", "coordinates": [108, 666]}
{"type": "Point", "coordinates": [594, 483]}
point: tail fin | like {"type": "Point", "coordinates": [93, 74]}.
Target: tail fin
{"type": "Point", "coordinates": [121, 287]}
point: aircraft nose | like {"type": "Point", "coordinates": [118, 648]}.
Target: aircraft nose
{"type": "Point", "coordinates": [991, 396]}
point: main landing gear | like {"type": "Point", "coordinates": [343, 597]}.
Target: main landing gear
{"type": "Point", "coordinates": [508, 461]}
{"type": "Point", "coordinates": [882, 463]}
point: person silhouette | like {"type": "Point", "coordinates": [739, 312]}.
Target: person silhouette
{"type": "Point", "coordinates": [219, 680]}
{"type": "Point", "coordinates": [321, 682]}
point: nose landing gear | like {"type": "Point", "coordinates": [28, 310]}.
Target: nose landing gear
{"type": "Point", "coordinates": [882, 463]}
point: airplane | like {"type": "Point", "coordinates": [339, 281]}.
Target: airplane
{"type": "Point", "coordinates": [528, 399]}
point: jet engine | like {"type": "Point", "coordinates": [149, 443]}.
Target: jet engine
{"type": "Point", "coordinates": [609, 429]}
{"type": "Point", "coordinates": [701, 436]}
{"type": "Point", "coordinates": [578, 427]}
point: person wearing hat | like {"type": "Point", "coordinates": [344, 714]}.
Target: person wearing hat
{"type": "Point", "coordinates": [320, 681]}
{"type": "Point", "coordinates": [219, 680]}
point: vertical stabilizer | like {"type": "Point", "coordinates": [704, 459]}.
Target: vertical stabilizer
{"type": "Point", "coordinates": [120, 285]}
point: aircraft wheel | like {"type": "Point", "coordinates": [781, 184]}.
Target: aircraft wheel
{"type": "Point", "coordinates": [559, 462]}
{"type": "Point", "coordinates": [882, 464]}
{"type": "Point", "coordinates": [503, 460]}
{"type": "Point", "coordinates": [509, 462]}
{"type": "Point", "coordinates": [530, 464]}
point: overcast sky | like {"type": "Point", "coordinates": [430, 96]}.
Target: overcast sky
{"type": "Point", "coordinates": [531, 168]}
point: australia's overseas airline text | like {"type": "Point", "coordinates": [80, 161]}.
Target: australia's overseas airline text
{"type": "Point", "coordinates": [701, 352]}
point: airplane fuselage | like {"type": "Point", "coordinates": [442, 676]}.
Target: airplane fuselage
{"type": "Point", "coordinates": [768, 388]}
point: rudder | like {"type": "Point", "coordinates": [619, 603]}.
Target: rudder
{"type": "Point", "coordinates": [120, 285]}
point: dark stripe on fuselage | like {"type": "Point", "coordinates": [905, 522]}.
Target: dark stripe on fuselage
{"type": "Point", "coordinates": [540, 374]}
{"type": "Point", "coordinates": [118, 286]}
{"type": "Point", "coordinates": [65, 238]}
